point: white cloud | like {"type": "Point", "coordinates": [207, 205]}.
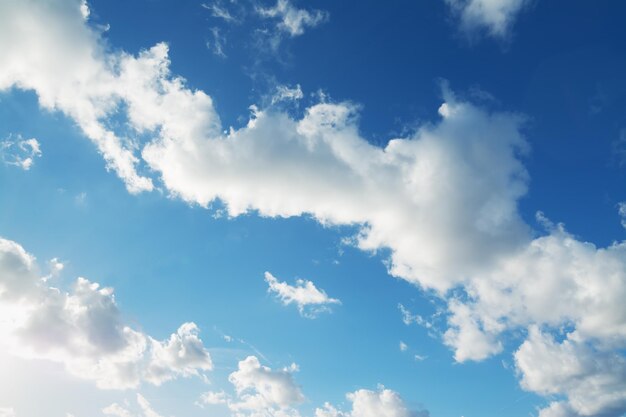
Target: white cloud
{"type": "Point", "coordinates": [84, 9]}
{"type": "Point", "coordinates": [212, 398]}
{"type": "Point", "coordinates": [496, 16]}
{"type": "Point", "coordinates": [7, 412]}
{"type": "Point", "coordinates": [217, 44]}
{"type": "Point", "coordinates": [592, 378]}
{"type": "Point", "coordinates": [408, 318]}
{"type": "Point", "coordinates": [285, 93]}
{"type": "Point", "coordinates": [621, 208]}
{"type": "Point", "coordinates": [83, 329]}
{"type": "Point", "coordinates": [292, 20]}
{"type": "Point", "coordinates": [366, 403]}
{"type": "Point", "coordinates": [116, 410]}
{"type": "Point", "coordinates": [263, 392]}
{"type": "Point", "coordinates": [309, 299]}
{"type": "Point", "coordinates": [19, 152]}
{"type": "Point", "coordinates": [219, 11]}
{"type": "Point", "coordinates": [443, 201]}
{"type": "Point", "coordinates": [403, 347]}
{"type": "Point", "coordinates": [144, 409]}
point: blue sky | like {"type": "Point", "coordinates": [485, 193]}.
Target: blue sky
{"type": "Point", "coordinates": [289, 208]}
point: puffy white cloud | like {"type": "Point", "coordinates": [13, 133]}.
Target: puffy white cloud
{"type": "Point", "coordinates": [497, 16]}
{"type": "Point", "coordinates": [262, 391]}
{"type": "Point", "coordinates": [592, 378]}
{"type": "Point", "coordinates": [19, 152]}
{"type": "Point", "coordinates": [309, 299]}
{"type": "Point", "coordinates": [292, 20]}
{"type": "Point", "coordinates": [443, 201]}
{"type": "Point", "coordinates": [366, 403]}
{"type": "Point", "coordinates": [84, 330]}
{"type": "Point", "coordinates": [259, 391]}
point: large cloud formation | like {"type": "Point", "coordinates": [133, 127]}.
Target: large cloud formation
{"type": "Point", "coordinates": [83, 329]}
{"type": "Point", "coordinates": [442, 201]}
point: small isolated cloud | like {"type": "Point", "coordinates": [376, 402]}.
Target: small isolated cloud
{"type": "Point", "coordinates": [309, 299]}
{"type": "Point", "coordinates": [495, 16]}
{"type": "Point", "coordinates": [217, 43]}
{"type": "Point", "coordinates": [403, 347]}
{"type": "Point", "coordinates": [621, 209]}
{"type": "Point", "coordinates": [292, 20]}
{"type": "Point", "coordinates": [220, 11]}
{"type": "Point", "coordinates": [80, 199]}
{"type": "Point", "coordinates": [143, 409]}
{"type": "Point", "coordinates": [284, 93]}
{"type": "Point", "coordinates": [366, 403]}
{"type": "Point", "coordinates": [19, 152]}
{"type": "Point", "coordinates": [409, 318]}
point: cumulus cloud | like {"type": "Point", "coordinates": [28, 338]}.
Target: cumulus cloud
{"type": "Point", "coordinates": [291, 19]}
{"type": "Point", "coordinates": [591, 377]}
{"type": "Point", "coordinates": [366, 403]}
{"type": "Point", "coordinates": [496, 16]}
{"type": "Point", "coordinates": [83, 329]}
{"type": "Point", "coordinates": [19, 152]}
{"type": "Point", "coordinates": [259, 391]}
{"type": "Point", "coordinates": [309, 299]}
{"type": "Point", "coordinates": [443, 201]}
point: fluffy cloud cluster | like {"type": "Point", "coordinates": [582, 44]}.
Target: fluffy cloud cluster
{"type": "Point", "coordinates": [309, 299]}
{"type": "Point", "coordinates": [366, 403]}
{"type": "Point", "coordinates": [260, 391]}
{"type": "Point", "coordinates": [19, 152]}
{"type": "Point", "coordinates": [443, 201]}
{"type": "Point", "coordinates": [497, 16]}
{"type": "Point", "coordinates": [263, 392]}
{"type": "Point", "coordinates": [83, 329]}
